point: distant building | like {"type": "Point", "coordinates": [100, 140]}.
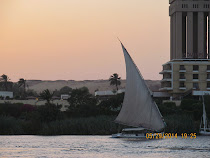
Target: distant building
{"type": "Point", "coordinates": [103, 95]}
{"type": "Point", "coordinates": [65, 96]}
{"type": "Point", "coordinates": [189, 67]}
{"type": "Point", "coordinates": [55, 98]}
{"type": "Point", "coordinates": [162, 95]}
{"type": "Point", "coordinates": [31, 98]}
{"type": "Point", "coordinates": [6, 94]}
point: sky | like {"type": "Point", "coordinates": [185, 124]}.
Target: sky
{"type": "Point", "coordinates": [77, 39]}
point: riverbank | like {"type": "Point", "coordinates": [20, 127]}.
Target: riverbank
{"type": "Point", "coordinates": [100, 125]}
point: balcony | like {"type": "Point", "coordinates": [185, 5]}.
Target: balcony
{"type": "Point", "coordinates": [166, 77]}
{"type": "Point", "coordinates": [166, 89]}
{"type": "Point", "coordinates": [166, 69]}
{"type": "Point", "coordinates": [208, 68]}
{"type": "Point", "coordinates": [182, 88]}
{"type": "Point", "coordinates": [166, 86]}
{"type": "Point", "coordinates": [166, 80]}
{"type": "Point", "coordinates": [208, 77]}
{"type": "Point", "coordinates": [195, 80]}
{"type": "Point", "coordinates": [195, 68]}
{"type": "Point", "coordinates": [182, 79]}
{"type": "Point", "coordinates": [195, 77]}
{"type": "Point", "coordinates": [182, 68]}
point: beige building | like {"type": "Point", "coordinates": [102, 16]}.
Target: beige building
{"type": "Point", "coordinates": [189, 67]}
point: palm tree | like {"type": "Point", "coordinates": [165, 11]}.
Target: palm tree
{"type": "Point", "coordinates": [22, 82]}
{"type": "Point", "coordinates": [115, 80]}
{"type": "Point", "coordinates": [47, 95]}
{"type": "Point", "coordinates": [5, 79]}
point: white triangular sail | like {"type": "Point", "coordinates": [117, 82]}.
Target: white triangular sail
{"type": "Point", "coordinates": [139, 109]}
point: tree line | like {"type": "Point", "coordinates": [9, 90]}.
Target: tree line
{"type": "Point", "coordinates": [21, 88]}
{"type": "Point", "coordinates": [88, 114]}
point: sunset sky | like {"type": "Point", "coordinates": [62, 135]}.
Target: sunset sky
{"type": "Point", "coordinates": [77, 39]}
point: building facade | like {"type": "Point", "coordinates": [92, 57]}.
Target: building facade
{"type": "Point", "coordinates": [189, 66]}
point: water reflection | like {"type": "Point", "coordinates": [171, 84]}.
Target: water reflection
{"type": "Point", "coordinates": [101, 146]}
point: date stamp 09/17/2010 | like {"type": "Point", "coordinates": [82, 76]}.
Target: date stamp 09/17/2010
{"type": "Point", "coordinates": [169, 135]}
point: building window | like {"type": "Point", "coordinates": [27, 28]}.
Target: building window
{"type": "Point", "coordinates": [181, 84]}
{"type": "Point", "coordinates": [195, 67]}
{"type": "Point", "coordinates": [195, 76]}
{"type": "Point", "coordinates": [167, 67]}
{"type": "Point", "coordinates": [181, 76]}
{"type": "Point", "coordinates": [208, 76]}
{"type": "Point", "coordinates": [195, 5]}
{"type": "Point", "coordinates": [167, 76]}
{"type": "Point", "coordinates": [208, 84]}
{"type": "Point", "coordinates": [208, 67]}
{"type": "Point", "coordinates": [206, 5]}
{"type": "Point", "coordinates": [195, 85]}
{"type": "Point", "coordinates": [184, 5]}
{"type": "Point", "coordinates": [181, 67]}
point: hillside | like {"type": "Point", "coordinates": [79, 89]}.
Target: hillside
{"type": "Point", "coordinates": [92, 85]}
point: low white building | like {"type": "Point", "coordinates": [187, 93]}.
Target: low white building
{"type": "Point", "coordinates": [65, 96]}
{"type": "Point", "coordinates": [200, 93]}
{"type": "Point", "coordinates": [107, 94]}
{"type": "Point", "coordinates": [5, 94]}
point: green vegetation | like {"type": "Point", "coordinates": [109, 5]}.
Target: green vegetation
{"type": "Point", "coordinates": [86, 113]}
{"type": "Point", "coordinates": [47, 95]}
{"type": "Point", "coordinates": [183, 119]}
{"type": "Point", "coordinates": [21, 88]}
{"type": "Point", "coordinates": [22, 83]}
{"type": "Point", "coordinates": [5, 83]}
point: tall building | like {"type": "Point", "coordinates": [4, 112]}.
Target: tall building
{"type": "Point", "coordinates": [189, 67]}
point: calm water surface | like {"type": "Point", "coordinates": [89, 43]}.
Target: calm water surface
{"type": "Point", "coordinates": [101, 147]}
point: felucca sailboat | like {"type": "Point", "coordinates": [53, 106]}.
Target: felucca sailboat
{"type": "Point", "coordinates": [204, 130]}
{"type": "Point", "coordinates": [139, 109]}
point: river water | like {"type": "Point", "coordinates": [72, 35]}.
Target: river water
{"type": "Point", "coordinates": [102, 147]}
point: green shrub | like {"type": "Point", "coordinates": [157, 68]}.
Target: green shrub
{"type": "Point", "coordinates": [180, 124]}
{"type": "Point", "coordinates": [100, 125]}
{"type": "Point", "coordinates": [9, 109]}
{"type": "Point", "coordinates": [168, 108]}
{"type": "Point", "coordinates": [10, 126]}
{"type": "Point", "coordinates": [193, 107]}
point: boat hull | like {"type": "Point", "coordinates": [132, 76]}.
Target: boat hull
{"type": "Point", "coordinates": [204, 133]}
{"type": "Point", "coordinates": [121, 135]}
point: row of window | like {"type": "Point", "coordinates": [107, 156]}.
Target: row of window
{"type": "Point", "coordinates": [195, 67]}
{"type": "Point", "coordinates": [206, 5]}
{"type": "Point", "coordinates": [195, 85]}
{"type": "Point", "coordinates": [195, 76]}
{"type": "Point", "coordinates": [195, 6]}
{"type": "Point", "coordinates": [184, 5]}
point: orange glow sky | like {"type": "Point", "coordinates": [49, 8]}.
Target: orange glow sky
{"type": "Point", "coordinates": [77, 39]}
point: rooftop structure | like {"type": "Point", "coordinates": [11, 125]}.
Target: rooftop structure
{"type": "Point", "coordinates": [189, 29]}
{"type": "Point", "coordinates": [189, 66]}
